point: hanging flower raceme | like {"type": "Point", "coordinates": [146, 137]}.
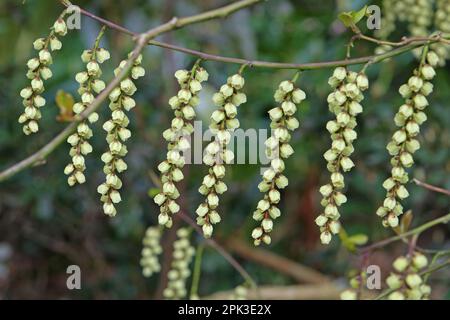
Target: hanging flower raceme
{"type": "Point", "coordinates": [183, 252]}
{"type": "Point", "coordinates": [344, 102]}
{"type": "Point", "coordinates": [150, 252]}
{"type": "Point", "coordinates": [90, 85]}
{"type": "Point", "coordinates": [38, 72]}
{"type": "Point", "coordinates": [223, 123]}
{"type": "Point", "coordinates": [178, 138]}
{"type": "Point", "coordinates": [121, 101]}
{"type": "Point", "coordinates": [404, 143]}
{"type": "Point", "coordinates": [406, 281]}
{"type": "Point", "coordinates": [277, 149]}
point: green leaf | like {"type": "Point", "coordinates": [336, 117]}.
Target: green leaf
{"type": "Point", "coordinates": [358, 15]}
{"type": "Point", "coordinates": [346, 18]}
{"type": "Point", "coordinates": [351, 18]}
{"type": "Point", "coordinates": [359, 239]}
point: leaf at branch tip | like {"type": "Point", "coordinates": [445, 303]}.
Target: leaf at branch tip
{"type": "Point", "coordinates": [65, 102]}
{"type": "Point", "coordinates": [405, 223]}
{"type": "Point", "coordinates": [351, 242]}
{"type": "Point", "coordinates": [358, 15]}
{"type": "Point", "coordinates": [351, 18]}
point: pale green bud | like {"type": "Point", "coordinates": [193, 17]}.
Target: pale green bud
{"type": "Point", "coordinates": [226, 90]}
{"type": "Point", "coordinates": [289, 108]}
{"type": "Point", "coordinates": [275, 114]}
{"type": "Point", "coordinates": [325, 237]}
{"type": "Point", "coordinates": [55, 44]}
{"type": "Point", "coordinates": [281, 182]}
{"type": "Point", "coordinates": [321, 220]}
{"type": "Point", "coordinates": [102, 55]}
{"type": "Point", "coordinates": [286, 86]}
{"type": "Point", "coordinates": [60, 27]}
{"type": "Point", "coordinates": [230, 110]}
{"type": "Point", "coordinates": [267, 225]}
{"type": "Point", "coordinates": [413, 280]}
{"type": "Point", "coordinates": [346, 163]}
{"type": "Point", "coordinates": [257, 233]}
{"type": "Point", "coordinates": [39, 44]}
{"type": "Point", "coordinates": [393, 281]}
{"type": "Point", "coordinates": [201, 74]}
{"type": "Point", "coordinates": [137, 72]}
{"type": "Point", "coordinates": [274, 196]}
{"type": "Point", "coordinates": [415, 83]}
{"type": "Point", "coordinates": [419, 261]}
{"type": "Point", "coordinates": [237, 81]}
{"type": "Point", "coordinates": [428, 72]}
{"type": "Point", "coordinates": [340, 73]}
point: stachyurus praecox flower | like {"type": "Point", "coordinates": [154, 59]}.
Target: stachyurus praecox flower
{"type": "Point", "coordinates": [344, 102]}
{"type": "Point", "coordinates": [38, 72]}
{"type": "Point", "coordinates": [90, 85]}
{"type": "Point", "coordinates": [277, 148]}
{"type": "Point", "coordinates": [404, 141]}
{"type": "Point", "coordinates": [121, 101]}
{"type": "Point", "coordinates": [178, 138]}
{"type": "Point", "coordinates": [223, 123]}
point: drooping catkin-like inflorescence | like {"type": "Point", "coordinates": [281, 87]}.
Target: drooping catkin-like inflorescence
{"type": "Point", "coordinates": [117, 134]}
{"type": "Point", "coordinates": [38, 72]}
{"type": "Point", "coordinates": [277, 148]}
{"type": "Point", "coordinates": [404, 143]}
{"type": "Point", "coordinates": [223, 123]}
{"type": "Point", "coordinates": [90, 85]}
{"type": "Point", "coordinates": [178, 138]}
{"type": "Point", "coordinates": [150, 251]}
{"type": "Point", "coordinates": [182, 256]}
{"type": "Point", "coordinates": [406, 281]}
{"type": "Point", "coordinates": [344, 102]}
{"type": "Point", "coordinates": [442, 23]}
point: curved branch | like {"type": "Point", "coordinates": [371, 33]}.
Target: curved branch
{"type": "Point", "coordinates": [406, 44]}
{"type": "Point", "coordinates": [412, 232]}
{"type": "Point", "coordinates": [142, 40]}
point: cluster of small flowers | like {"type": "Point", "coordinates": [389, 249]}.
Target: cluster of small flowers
{"type": "Point", "coordinates": [277, 148]}
{"type": "Point", "coordinates": [239, 293]}
{"type": "Point", "coordinates": [406, 281]}
{"type": "Point", "coordinates": [344, 102]}
{"type": "Point", "coordinates": [442, 23]}
{"type": "Point", "coordinates": [150, 252]}
{"type": "Point", "coordinates": [403, 144]}
{"type": "Point", "coordinates": [178, 138]}
{"type": "Point", "coordinates": [183, 253]}
{"type": "Point", "coordinates": [38, 72]}
{"type": "Point", "coordinates": [355, 284]}
{"type": "Point", "coordinates": [90, 83]}
{"type": "Point", "coordinates": [117, 133]}
{"type": "Point", "coordinates": [223, 123]}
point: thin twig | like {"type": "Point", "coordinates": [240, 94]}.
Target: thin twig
{"type": "Point", "coordinates": [142, 40]}
{"type": "Point", "coordinates": [414, 42]}
{"type": "Point", "coordinates": [212, 243]}
{"type": "Point", "coordinates": [415, 231]}
{"type": "Point", "coordinates": [431, 187]}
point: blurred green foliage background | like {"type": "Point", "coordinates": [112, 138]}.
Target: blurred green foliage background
{"type": "Point", "coordinates": [45, 225]}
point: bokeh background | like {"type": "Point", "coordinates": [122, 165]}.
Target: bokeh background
{"type": "Point", "coordinates": [46, 225]}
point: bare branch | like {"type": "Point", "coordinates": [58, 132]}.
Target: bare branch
{"type": "Point", "coordinates": [431, 187]}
